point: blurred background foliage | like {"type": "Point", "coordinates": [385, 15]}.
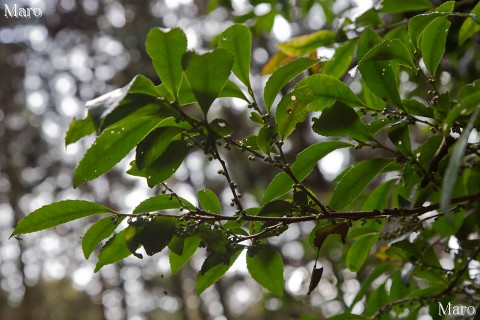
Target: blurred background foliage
{"type": "Point", "coordinates": [81, 49]}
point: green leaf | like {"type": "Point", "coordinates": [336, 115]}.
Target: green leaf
{"type": "Point", "coordinates": [468, 96]}
{"type": "Point", "coordinates": [114, 250]}
{"type": "Point", "coordinates": [395, 6]}
{"type": "Point", "coordinates": [207, 74]}
{"type": "Point", "coordinates": [157, 233]}
{"type": "Point", "coordinates": [469, 26]}
{"type": "Point", "coordinates": [369, 18]}
{"type": "Point", "coordinates": [133, 238]}
{"type": "Point", "coordinates": [58, 213]}
{"type": "Point", "coordinates": [340, 120]}
{"type": "Point", "coordinates": [166, 48]}
{"type": "Point", "coordinates": [416, 108]}
{"type": "Point", "coordinates": [378, 75]}
{"type": "Point", "coordinates": [166, 165]}
{"type": "Point", "coordinates": [301, 45]}
{"type": "Point", "coordinates": [400, 137]}
{"type": "Point", "coordinates": [190, 245]}
{"type": "Point", "coordinates": [79, 129]}
{"type": "Point", "coordinates": [100, 230]}
{"type": "Point", "coordinates": [103, 108]}
{"type": "Point", "coordinates": [453, 168]}
{"type": "Point", "coordinates": [417, 25]}
{"type": "Point", "coordinates": [356, 180]}
{"type": "Point", "coordinates": [153, 146]}
{"type": "Point", "coordinates": [209, 201]}
{"type": "Point", "coordinates": [377, 272]}
{"type": "Point", "coordinates": [161, 202]}
{"type": "Point", "coordinates": [311, 94]}
{"type": "Point", "coordinates": [301, 168]}
{"type": "Point", "coordinates": [238, 40]}
{"type": "Point", "coordinates": [327, 89]}
{"type": "Point", "coordinates": [282, 76]}
{"type": "Point", "coordinates": [341, 60]}
{"type": "Point", "coordinates": [266, 138]}
{"type": "Point", "coordinates": [292, 110]}
{"type": "Point", "coordinates": [209, 277]}
{"type": "Point", "coordinates": [265, 265]}
{"type": "Point", "coordinates": [231, 90]}
{"type": "Point", "coordinates": [389, 50]}
{"type": "Point", "coordinates": [111, 147]}
{"type": "Point", "coordinates": [359, 251]}
{"type": "Point", "coordinates": [433, 43]}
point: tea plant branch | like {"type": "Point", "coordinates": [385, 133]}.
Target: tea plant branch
{"type": "Point", "coordinates": [201, 215]}
{"type": "Point", "coordinates": [444, 292]}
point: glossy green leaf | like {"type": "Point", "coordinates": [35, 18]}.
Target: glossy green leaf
{"type": "Point", "coordinates": [433, 43]}
{"type": "Point", "coordinates": [468, 96]}
{"type": "Point", "coordinates": [166, 48]}
{"type": "Point", "coordinates": [340, 120]}
{"type": "Point", "coordinates": [417, 25]}
{"type": "Point", "coordinates": [58, 213]}
{"type": "Point", "coordinates": [416, 108]}
{"type": "Point", "coordinates": [238, 40]}
{"type": "Point", "coordinates": [389, 50]}
{"type": "Point", "coordinates": [209, 201]}
{"type": "Point", "coordinates": [377, 272]}
{"type": "Point", "coordinates": [79, 129]}
{"type": "Point", "coordinates": [301, 168]}
{"type": "Point", "coordinates": [375, 300]}
{"type": "Point", "coordinates": [166, 165]}
{"type": "Point", "coordinates": [341, 60]}
{"type": "Point", "coordinates": [111, 147]}
{"type": "Point", "coordinates": [326, 89]}
{"type": "Point", "coordinates": [133, 238]}
{"type": "Point", "coordinates": [206, 279]}
{"type": "Point", "coordinates": [265, 265]}
{"type": "Point", "coordinates": [257, 118]}
{"type": "Point", "coordinates": [99, 231]}
{"type": "Point", "coordinates": [231, 90]}
{"type": "Point", "coordinates": [157, 233]}
{"type": "Point", "coordinates": [161, 202]}
{"type": "Point", "coordinates": [266, 138]}
{"type": "Point", "coordinates": [292, 110]}
{"type": "Point", "coordinates": [311, 94]}
{"type": "Point", "coordinates": [113, 251]}
{"type": "Point", "coordinates": [301, 45]}
{"type": "Point", "coordinates": [153, 146]}
{"type": "Point", "coordinates": [469, 26]}
{"type": "Point", "coordinates": [207, 74]}
{"type": "Point", "coordinates": [378, 75]}
{"type": "Point", "coordinates": [395, 6]}
{"type": "Point", "coordinates": [282, 76]}
{"type": "Point", "coordinates": [369, 18]}
{"type": "Point", "coordinates": [107, 105]}
{"type": "Point", "coordinates": [190, 245]}
{"type": "Point", "coordinates": [400, 136]}
{"type": "Point", "coordinates": [451, 174]}
{"type": "Point", "coordinates": [358, 252]}
{"type": "Point", "coordinates": [356, 180]}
